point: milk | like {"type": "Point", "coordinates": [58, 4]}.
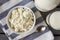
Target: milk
{"type": "Point", "coordinates": [54, 20]}
{"type": "Point", "coordinates": [46, 5]}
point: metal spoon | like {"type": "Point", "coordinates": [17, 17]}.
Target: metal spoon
{"type": "Point", "coordinates": [41, 28]}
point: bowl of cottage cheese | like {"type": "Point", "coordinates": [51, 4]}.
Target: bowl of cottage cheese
{"type": "Point", "coordinates": [21, 19]}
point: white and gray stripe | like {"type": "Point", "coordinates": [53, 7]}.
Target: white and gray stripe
{"type": "Point", "coordinates": [3, 1]}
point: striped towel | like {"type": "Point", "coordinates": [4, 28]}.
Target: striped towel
{"type": "Point", "coordinates": [6, 5]}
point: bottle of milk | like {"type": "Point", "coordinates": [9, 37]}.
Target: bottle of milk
{"type": "Point", "coordinates": [53, 20]}
{"type": "Point", "coordinates": [46, 5]}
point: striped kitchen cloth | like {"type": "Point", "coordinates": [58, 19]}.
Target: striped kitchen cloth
{"type": "Point", "coordinates": [6, 5]}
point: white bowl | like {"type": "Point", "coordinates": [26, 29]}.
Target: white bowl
{"type": "Point", "coordinates": [53, 20]}
{"type": "Point", "coordinates": [10, 14]}
{"type": "Point", "coordinates": [46, 5]}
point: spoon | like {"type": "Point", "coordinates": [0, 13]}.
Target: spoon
{"type": "Point", "coordinates": [41, 28]}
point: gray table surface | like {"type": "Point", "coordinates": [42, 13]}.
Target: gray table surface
{"type": "Point", "coordinates": [55, 32]}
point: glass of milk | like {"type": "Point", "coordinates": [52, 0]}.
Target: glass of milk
{"type": "Point", "coordinates": [53, 20]}
{"type": "Point", "coordinates": [46, 5]}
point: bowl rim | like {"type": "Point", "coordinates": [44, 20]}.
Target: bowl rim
{"type": "Point", "coordinates": [48, 19]}
{"type": "Point", "coordinates": [9, 15]}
